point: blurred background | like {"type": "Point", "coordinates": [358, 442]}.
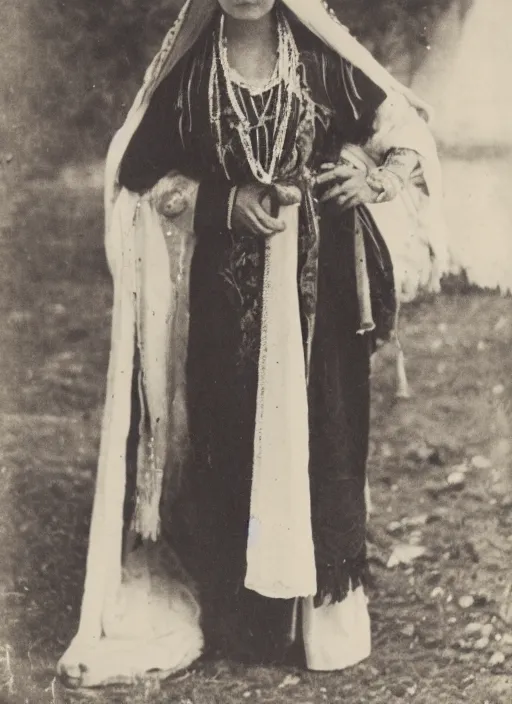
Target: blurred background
{"type": "Point", "coordinates": [439, 463]}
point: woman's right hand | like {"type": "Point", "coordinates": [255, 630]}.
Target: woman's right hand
{"type": "Point", "coordinates": [251, 212]}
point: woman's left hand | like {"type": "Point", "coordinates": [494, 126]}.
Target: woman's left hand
{"type": "Point", "coordinates": [351, 186]}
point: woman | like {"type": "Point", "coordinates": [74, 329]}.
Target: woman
{"type": "Point", "coordinates": [241, 182]}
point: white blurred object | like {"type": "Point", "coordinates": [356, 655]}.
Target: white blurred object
{"type": "Point", "coordinates": [466, 79]}
{"type": "Point", "coordinates": [479, 212]}
{"type": "Point", "coordinates": [467, 74]}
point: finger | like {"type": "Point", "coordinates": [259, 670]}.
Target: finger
{"type": "Point", "coordinates": [258, 229]}
{"type": "Point", "coordinates": [266, 221]}
{"type": "Point", "coordinates": [384, 197]}
{"type": "Point", "coordinates": [346, 190]}
{"type": "Point", "coordinates": [347, 203]}
{"type": "Point", "coordinates": [288, 194]}
{"type": "Point", "coordinates": [336, 173]}
{"type": "Point", "coordinates": [334, 192]}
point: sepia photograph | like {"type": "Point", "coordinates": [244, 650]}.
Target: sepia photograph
{"type": "Point", "coordinates": [256, 352]}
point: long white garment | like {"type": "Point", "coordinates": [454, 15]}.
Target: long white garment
{"type": "Point", "coordinates": [336, 636]}
{"type": "Point", "coordinates": [280, 551]}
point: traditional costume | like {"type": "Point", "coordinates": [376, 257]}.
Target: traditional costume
{"type": "Point", "coordinates": [231, 478]}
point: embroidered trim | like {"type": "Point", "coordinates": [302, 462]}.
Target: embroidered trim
{"type": "Point", "coordinates": [231, 204]}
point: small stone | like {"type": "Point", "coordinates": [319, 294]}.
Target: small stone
{"type": "Point", "coordinates": [498, 390]}
{"type": "Point", "coordinates": [481, 643]}
{"type": "Point", "coordinates": [408, 630]}
{"type": "Point", "coordinates": [405, 554]}
{"type": "Point", "coordinates": [466, 602]}
{"type": "Point", "coordinates": [290, 681]}
{"type": "Point", "coordinates": [487, 630]}
{"type": "Point", "coordinates": [416, 521]}
{"type": "Point", "coordinates": [246, 695]}
{"type": "Point", "coordinates": [480, 462]}
{"type": "Point", "coordinates": [497, 659]}
{"type": "Point", "coordinates": [394, 527]}
{"type": "Point", "coordinates": [468, 679]}
{"type": "Point", "coordinates": [421, 452]}
{"type": "Point", "coordinates": [451, 620]}
{"type": "Point", "coordinates": [473, 628]}
{"type": "Point", "coordinates": [456, 479]}
{"type": "Point", "coordinates": [437, 592]}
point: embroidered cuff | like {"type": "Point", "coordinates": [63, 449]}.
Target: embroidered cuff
{"type": "Point", "coordinates": [402, 163]}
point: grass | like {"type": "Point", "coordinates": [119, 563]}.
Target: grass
{"type": "Point", "coordinates": [55, 337]}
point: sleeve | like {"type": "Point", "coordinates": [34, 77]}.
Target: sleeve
{"type": "Point", "coordinates": [155, 147]}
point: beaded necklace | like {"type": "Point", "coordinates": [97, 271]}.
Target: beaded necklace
{"type": "Point", "coordinates": [288, 85]}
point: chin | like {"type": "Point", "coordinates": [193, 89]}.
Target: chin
{"type": "Point", "coordinates": [247, 9]}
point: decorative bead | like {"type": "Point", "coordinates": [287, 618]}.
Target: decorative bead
{"type": "Point", "coordinates": [287, 76]}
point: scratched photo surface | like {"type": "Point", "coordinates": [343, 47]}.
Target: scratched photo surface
{"type": "Point", "coordinates": [439, 495]}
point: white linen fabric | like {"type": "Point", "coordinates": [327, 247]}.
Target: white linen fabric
{"type": "Point", "coordinates": [280, 550]}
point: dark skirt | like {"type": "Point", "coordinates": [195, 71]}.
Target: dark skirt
{"type": "Point", "coordinates": [215, 497]}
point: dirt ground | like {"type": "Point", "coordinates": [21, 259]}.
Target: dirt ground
{"type": "Point", "coordinates": [439, 469]}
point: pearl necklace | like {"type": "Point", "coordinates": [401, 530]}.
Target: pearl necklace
{"type": "Point", "coordinates": [288, 85]}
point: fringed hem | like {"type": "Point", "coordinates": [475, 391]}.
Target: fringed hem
{"type": "Point", "coordinates": [336, 580]}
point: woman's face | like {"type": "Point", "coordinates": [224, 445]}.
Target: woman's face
{"type": "Point", "coordinates": [247, 9]}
